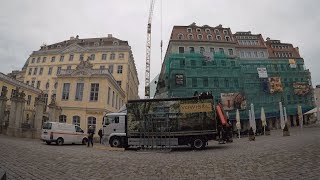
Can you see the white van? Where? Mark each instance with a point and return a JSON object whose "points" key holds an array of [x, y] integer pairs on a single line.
{"points": [[63, 133]]}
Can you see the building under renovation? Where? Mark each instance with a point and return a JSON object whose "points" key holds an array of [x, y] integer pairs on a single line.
{"points": [[239, 70]]}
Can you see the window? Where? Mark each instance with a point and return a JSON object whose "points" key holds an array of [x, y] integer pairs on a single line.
{"points": [[30, 71], [226, 82], [181, 50], [102, 67], [189, 30], [55, 85], [38, 84], [191, 49], [216, 83], [29, 100], [94, 92], [255, 54], [223, 63], [194, 82], [121, 56], [81, 57], [32, 83], [205, 82], [40, 71], [225, 32], [110, 69], [45, 97], [120, 67], [217, 31], [262, 54], [61, 58], [182, 63], [249, 54], [221, 50], [112, 56], [190, 36], [53, 59], [228, 38], [38, 59], [218, 37], [109, 92], [65, 91], [117, 101], [209, 37], [62, 118], [92, 57], [230, 52], [76, 120], [44, 59], [198, 30], [208, 31], [35, 71], [92, 122], [200, 36], [193, 63], [119, 83], [202, 50], [33, 60], [236, 83], [47, 85], [180, 36], [27, 82], [50, 71], [212, 50], [104, 57], [68, 67], [59, 70], [71, 57], [79, 92]]}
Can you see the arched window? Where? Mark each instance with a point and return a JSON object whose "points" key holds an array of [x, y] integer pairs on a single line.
{"points": [[209, 37], [180, 36], [47, 85], [56, 85], [190, 36], [218, 37], [208, 31], [227, 38], [200, 36], [62, 118], [92, 122], [198, 30], [76, 120], [217, 31], [189, 30]]}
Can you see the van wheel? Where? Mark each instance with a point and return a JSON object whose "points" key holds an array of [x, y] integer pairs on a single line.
{"points": [[48, 142], [84, 141], [115, 142], [198, 143], [59, 141]]}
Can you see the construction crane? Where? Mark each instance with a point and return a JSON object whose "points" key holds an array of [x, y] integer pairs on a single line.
{"points": [[148, 52]]}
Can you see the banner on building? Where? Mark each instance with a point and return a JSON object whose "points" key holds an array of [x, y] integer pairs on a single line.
{"points": [[262, 72], [193, 108], [232, 101], [292, 63], [275, 84], [179, 79], [300, 88], [208, 56]]}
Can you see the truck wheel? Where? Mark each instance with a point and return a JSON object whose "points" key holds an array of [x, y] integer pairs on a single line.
{"points": [[84, 141], [59, 141], [115, 142], [198, 143]]}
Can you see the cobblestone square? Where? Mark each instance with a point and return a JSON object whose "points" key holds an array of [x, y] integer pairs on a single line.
{"points": [[269, 157]]}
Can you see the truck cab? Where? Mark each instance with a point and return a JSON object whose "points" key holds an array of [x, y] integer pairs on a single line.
{"points": [[114, 129]]}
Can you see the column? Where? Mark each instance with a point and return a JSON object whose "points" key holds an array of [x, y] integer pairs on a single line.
{"points": [[3, 102]]}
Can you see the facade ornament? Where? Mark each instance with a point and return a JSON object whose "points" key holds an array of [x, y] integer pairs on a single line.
{"points": [[22, 95], [84, 65], [4, 91]]}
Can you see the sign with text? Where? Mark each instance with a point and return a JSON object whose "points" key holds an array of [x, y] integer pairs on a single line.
{"points": [[198, 107], [262, 72]]}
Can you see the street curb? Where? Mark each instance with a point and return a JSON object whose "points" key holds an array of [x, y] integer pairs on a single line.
{"points": [[108, 148]]}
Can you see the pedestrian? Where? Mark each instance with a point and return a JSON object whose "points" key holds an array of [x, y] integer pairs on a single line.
{"points": [[90, 136], [100, 135]]}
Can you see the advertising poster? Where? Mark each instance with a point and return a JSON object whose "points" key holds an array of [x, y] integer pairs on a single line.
{"points": [[262, 72], [292, 63], [232, 101], [275, 85], [301, 89]]}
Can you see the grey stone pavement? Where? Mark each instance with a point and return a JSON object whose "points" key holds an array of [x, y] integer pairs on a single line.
{"points": [[269, 157]]}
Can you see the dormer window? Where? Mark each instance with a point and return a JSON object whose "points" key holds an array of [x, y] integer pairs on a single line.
{"points": [[115, 43], [208, 31], [59, 46], [217, 31], [190, 36], [189, 30], [225, 32], [200, 36], [209, 37], [218, 37], [180, 36], [228, 38], [96, 44], [198, 30]]}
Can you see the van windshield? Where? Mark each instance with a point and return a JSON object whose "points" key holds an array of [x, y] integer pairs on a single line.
{"points": [[47, 126]]}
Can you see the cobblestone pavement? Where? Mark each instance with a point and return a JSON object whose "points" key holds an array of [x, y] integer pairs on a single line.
{"points": [[269, 157]]}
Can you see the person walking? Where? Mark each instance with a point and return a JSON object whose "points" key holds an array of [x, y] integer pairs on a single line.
{"points": [[100, 134], [90, 136]]}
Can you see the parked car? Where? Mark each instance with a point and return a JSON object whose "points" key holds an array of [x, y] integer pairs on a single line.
{"points": [[63, 133]]}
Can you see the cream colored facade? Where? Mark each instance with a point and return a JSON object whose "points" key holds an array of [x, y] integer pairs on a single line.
{"points": [[43, 66], [86, 95], [30, 94]]}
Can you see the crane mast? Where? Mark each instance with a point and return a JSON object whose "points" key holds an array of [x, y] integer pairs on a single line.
{"points": [[148, 52]]}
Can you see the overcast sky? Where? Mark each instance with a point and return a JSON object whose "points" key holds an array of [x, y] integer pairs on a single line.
{"points": [[26, 24]]}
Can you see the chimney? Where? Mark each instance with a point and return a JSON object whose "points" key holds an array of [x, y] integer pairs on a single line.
{"points": [[268, 39], [77, 37], [109, 35], [71, 38]]}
